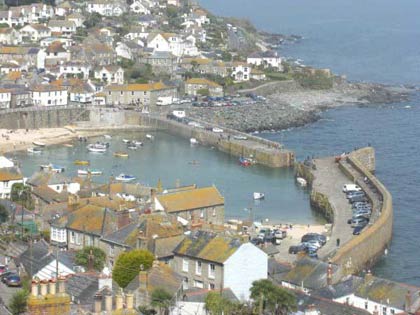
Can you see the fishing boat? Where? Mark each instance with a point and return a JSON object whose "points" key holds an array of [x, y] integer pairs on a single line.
{"points": [[107, 136], [301, 181], [137, 143], [258, 195], [120, 154], [193, 141], [150, 137], [125, 140], [96, 149], [104, 145], [245, 161], [125, 178], [132, 146], [81, 162], [89, 172], [34, 150], [39, 144], [53, 168]]}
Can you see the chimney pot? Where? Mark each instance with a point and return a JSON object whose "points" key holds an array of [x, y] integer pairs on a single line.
{"points": [[52, 285], [118, 302], [97, 308], [43, 287], [61, 284], [108, 303], [129, 298], [34, 288]]}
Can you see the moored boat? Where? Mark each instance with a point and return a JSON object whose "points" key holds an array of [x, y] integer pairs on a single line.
{"points": [[34, 150], [53, 168], [107, 136], [120, 154], [125, 178], [132, 146], [39, 143], [245, 161], [125, 140], [258, 195], [240, 137], [301, 181], [150, 137], [89, 171], [96, 149], [193, 141], [81, 162], [68, 145]]}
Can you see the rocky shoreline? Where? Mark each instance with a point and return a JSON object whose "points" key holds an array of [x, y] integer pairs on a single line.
{"points": [[288, 105]]}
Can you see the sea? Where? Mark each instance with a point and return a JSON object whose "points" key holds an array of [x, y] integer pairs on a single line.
{"points": [[371, 41]]}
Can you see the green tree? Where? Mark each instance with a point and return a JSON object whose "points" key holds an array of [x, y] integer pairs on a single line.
{"points": [[161, 299], [129, 264], [98, 257], [18, 303], [216, 304], [21, 194], [4, 214], [203, 92], [269, 297], [93, 19]]}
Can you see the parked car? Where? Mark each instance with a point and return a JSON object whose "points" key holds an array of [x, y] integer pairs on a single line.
{"points": [[359, 222], [3, 268], [313, 242], [351, 187], [313, 255], [280, 234], [13, 281], [312, 236], [297, 249], [355, 193], [361, 204], [362, 211], [357, 199], [358, 229], [4, 275], [257, 241]]}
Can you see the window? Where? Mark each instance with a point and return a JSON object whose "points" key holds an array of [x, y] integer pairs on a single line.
{"points": [[185, 265], [185, 283], [211, 286], [214, 212], [366, 305], [72, 238], [384, 310], [212, 271], [392, 311], [202, 214], [198, 267], [198, 284], [6, 184]]}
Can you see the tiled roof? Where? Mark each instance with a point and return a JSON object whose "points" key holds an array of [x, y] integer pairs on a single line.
{"points": [[55, 47], [137, 87], [48, 195], [202, 81], [208, 246], [47, 88], [158, 225], [13, 75], [191, 199], [164, 247], [9, 173], [92, 219]]}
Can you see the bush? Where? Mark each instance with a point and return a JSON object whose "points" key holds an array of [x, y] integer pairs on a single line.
{"points": [[18, 303], [99, 257], [316, 81]]}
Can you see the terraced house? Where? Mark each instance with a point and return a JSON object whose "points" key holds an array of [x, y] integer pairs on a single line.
{"points": [[195, 86], [195, 207], [214, 261]]}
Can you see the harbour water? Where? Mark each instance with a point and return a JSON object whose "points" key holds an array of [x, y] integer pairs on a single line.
{"points": [[376, 41], [173, 159]]}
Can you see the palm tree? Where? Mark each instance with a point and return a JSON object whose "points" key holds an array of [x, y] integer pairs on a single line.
{"points": [[161, 299]]}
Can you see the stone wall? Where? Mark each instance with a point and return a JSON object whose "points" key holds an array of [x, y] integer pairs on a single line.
{"points": [[273, 87], [364, 250]]}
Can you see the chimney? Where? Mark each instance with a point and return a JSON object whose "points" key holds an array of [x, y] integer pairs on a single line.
{"points": [[329, 273], [143, 279], [368, 276], [61, 284], [152, 198], [44, 284], [91, 259], [108, 302], [97, 306], [407, 301], [34, 288], [129, 299], [52, 286], [118, 301]]}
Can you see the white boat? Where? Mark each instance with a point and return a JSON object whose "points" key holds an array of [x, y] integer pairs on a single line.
{"points": [[132, 146], [258, 196], [150, 137], [107, 136], [96, 149], [137, 143], [34, 150], [240, 137], [125, 178], [301, 181], [39, 144], [125, 140], [53, 168], [193, 141], [87, 172]]}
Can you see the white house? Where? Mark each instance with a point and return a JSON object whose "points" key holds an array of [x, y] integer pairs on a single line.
{"points": [[106, 8], [78, 69], [266, 59], [8, 176], [5, 162], [49, 95], [139, 7], [5, 98], [10, 36], [210, 261], [35, 32], [240, 72], [173, 43], [65, 27], [56, 54], [110, 74], [82, 93], [76, 18]]}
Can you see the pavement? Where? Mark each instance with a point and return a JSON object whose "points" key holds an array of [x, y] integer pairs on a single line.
{"points": [[329, 180]]}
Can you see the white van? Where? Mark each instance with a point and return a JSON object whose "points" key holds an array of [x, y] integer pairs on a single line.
{"points": [[351, 187]]}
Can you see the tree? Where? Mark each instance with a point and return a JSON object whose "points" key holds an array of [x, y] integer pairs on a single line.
{"points": [[161, 299], [21, 194], [203, 92], [94, 19], [216, 304], [268, 296], [129, 264], [18, 302], [98, 257], [4, 214]]}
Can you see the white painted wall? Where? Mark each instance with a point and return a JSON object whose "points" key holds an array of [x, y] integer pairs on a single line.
{"points": [[361, 303], [188, 308], [71, 187], [247, 264], [49, 271]]}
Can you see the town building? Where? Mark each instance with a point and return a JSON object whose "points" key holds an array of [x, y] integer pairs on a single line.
{"points": [[196, 86], [266, 59], [110, 74], [49, 95]]}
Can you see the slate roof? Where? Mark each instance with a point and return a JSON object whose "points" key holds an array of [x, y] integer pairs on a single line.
{"points": [[49, 195], [124, 236], [199, 295], [158, 225], [191, 199], [138, 87], [61, 23], [164, 247], [82, 287], [47, 178], [311, 272], [208, 246], [40, 256], [345, 287]]}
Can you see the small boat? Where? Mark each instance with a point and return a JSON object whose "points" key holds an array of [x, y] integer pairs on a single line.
{"points": [[121, 154], [53, 168], [96, 149], [107, 136], [81, 162], [301, 181], [125, 140], [150, 137], [137, 143], [125, 178], [240, 137], [132, 146], [88, 171], [68, 145], [193, 141], [34, 150], [39, 144], [258, 196], [245, 161]]}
